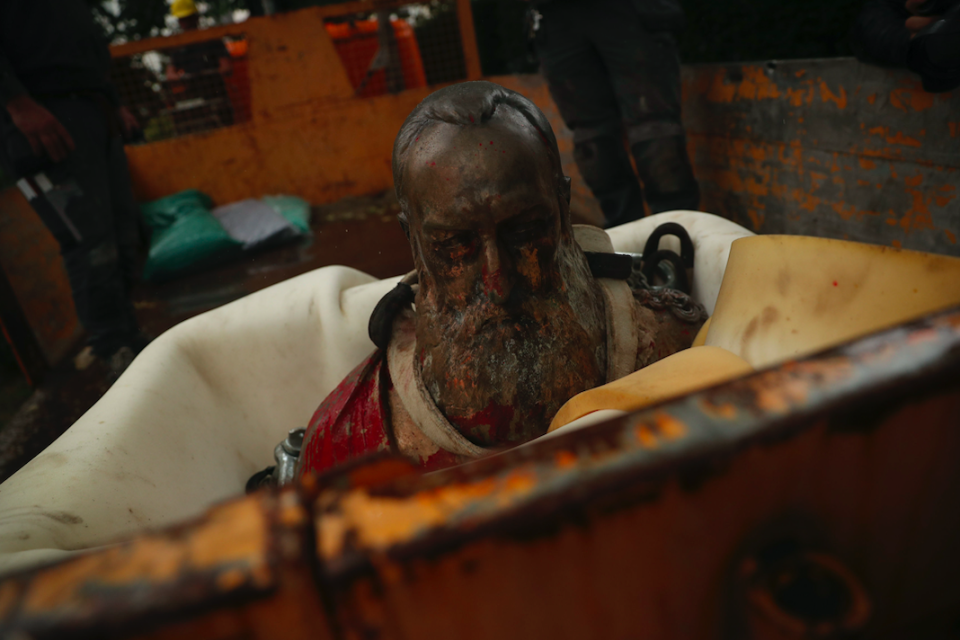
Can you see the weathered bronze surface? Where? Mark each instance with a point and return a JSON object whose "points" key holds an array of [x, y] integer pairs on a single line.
{"points": [[510, 322]]}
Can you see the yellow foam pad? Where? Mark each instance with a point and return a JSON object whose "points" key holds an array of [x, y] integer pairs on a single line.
{"points": [[785, 297], [701, 338], [676, 375]]}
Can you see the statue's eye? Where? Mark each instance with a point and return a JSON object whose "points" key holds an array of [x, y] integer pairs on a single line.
{"points": [[455, 245], [527, 231]]}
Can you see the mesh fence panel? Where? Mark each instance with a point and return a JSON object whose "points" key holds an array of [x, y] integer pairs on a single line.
{"points": [[176, 91], [421, 47], [188, 89]]}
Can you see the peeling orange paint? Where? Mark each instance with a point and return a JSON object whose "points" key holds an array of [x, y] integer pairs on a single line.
{"points": [[872, 98], [900, 138], [897, 244], [827, 95], [907, 99], [720, 90], [913, 181], [918, 216], [867, 164], [757, 85], [807, 201], [950, 236], [755, 188]]}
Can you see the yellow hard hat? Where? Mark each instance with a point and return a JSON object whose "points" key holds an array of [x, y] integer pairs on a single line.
{"points": [[182, 8]]}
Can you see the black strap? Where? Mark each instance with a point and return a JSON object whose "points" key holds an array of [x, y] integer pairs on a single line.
{"points": [[380, 327], [618, 266], [670, 229]]}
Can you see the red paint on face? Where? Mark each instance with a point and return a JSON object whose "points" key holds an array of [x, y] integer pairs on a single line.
{"points": [[492, 282], [497, 418]]}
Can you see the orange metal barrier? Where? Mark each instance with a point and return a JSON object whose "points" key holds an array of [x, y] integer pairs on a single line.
{"points": [[357, 45]]}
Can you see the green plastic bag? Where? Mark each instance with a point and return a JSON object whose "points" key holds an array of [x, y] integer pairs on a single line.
{"points": [[185, 235], [295, 210], [161, 213]]}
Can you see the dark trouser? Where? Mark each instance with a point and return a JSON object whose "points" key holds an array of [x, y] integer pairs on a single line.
{"points": [[87, 203], [609, 76]]}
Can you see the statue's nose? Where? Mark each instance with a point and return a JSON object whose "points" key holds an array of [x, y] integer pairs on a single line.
{"points": [[497, 282]]}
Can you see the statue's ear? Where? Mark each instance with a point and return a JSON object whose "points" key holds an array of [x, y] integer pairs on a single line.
{"points": [[565, 188]]}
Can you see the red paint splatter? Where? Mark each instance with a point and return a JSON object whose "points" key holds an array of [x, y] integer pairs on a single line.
{"points": [[417, 139], [471, 119], [498, 417], [834, 283], [492, 282], [491, 142], [433, 164]]}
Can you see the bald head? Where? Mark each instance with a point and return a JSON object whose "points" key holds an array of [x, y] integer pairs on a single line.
{"points": [[476, 105]]}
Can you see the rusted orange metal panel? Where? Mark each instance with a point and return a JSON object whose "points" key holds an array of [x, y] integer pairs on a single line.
{"points": [[831, 148], [30, 258], [815, 499], [243, 570]]}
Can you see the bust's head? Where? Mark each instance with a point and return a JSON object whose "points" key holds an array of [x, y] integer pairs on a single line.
{"points": [[509, 319]]}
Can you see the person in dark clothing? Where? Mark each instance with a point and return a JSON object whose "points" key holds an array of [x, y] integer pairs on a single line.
{"points": [[613, 70], [61, 132], [923, 35]]}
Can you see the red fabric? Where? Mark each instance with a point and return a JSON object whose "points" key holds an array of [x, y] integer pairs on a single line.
{"points": [[350, 421]]}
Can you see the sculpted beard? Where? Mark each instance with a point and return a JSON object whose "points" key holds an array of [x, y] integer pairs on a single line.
{"points": [[501, 372]]}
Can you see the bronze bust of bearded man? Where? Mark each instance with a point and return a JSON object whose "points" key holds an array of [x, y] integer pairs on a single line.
{"points": [[508, 322]]}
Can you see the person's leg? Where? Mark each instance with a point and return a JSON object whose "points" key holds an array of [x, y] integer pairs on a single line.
{"points": [[580, 87], [73, 198], [126, 213], [645, 71]]}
